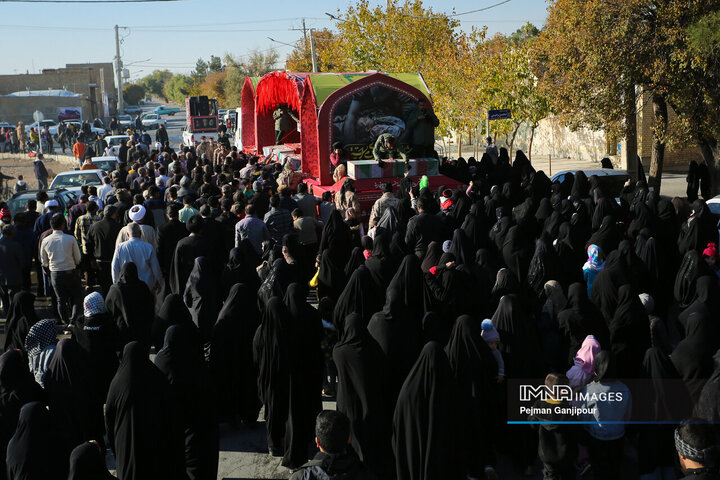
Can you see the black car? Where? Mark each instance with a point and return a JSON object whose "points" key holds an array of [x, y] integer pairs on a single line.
{"points": [[65, 198]]}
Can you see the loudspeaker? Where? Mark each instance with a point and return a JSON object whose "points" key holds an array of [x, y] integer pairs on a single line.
{"points": [[203, 105], [193, 102]]}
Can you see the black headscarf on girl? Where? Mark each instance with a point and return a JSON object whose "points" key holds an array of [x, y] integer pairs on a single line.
{"points": [[231, 357], [334, 251], [360, 296], [545, 265], [380, 264], [363, 382], [581, 318], [31, 452], [141, 419], [272, 350], [21, 316], [462, 248], [629, 333], [607, 237], [356, 259], [77, 413], [519, 345], [668, 399], [505, 283], [201, 297], [708, 405], [604, 293], [692, 267], [605, 207], [87, 462], [131, 305], [567, 184], [643, 219], [427, 420], [476, 227], [474, 369], [572, 253], [397, 336], [305, 375], [540, 186], [17, 387], [193, 393], [432, 256], [693, 355], [544, 211], [699, 230], [410, 282], [241, 266], [172, 312], [581, 186]]}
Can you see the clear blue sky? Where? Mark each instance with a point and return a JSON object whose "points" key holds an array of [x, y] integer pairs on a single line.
{"points": [[174, 34]]}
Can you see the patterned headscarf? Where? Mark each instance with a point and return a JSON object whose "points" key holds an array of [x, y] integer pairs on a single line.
{"points": [[40, 336], [595, 258], [691, 453], [94, 304]]}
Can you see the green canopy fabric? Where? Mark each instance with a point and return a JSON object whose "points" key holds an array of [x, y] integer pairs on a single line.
{"points": [[326, 83]]}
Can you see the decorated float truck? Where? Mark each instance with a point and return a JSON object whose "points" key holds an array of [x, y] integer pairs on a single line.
{"points": [[351, 109]]}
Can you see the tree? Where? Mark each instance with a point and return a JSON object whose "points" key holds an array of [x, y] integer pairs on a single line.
{"points": [[178, 88], [213, 86], [133, 93], [257, 64], [155, 83], [201, 69], [215, 64], [595, 54], [300, 59]]}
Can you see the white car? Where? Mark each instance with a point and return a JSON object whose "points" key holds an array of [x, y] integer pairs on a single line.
{"points": [[113, 142], [51, 124], [75, 179], [152, 121], [106, 163], [125, 121], [78, 125]]}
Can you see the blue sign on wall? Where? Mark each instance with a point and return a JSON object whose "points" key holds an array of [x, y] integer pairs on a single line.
{"points": [[499, 114]]}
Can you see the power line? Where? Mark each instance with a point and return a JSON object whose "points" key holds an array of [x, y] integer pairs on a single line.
{"points": [[448, 15], [86, 1]]}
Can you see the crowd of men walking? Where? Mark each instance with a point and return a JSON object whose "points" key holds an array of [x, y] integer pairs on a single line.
{"points": [[208, 261]]}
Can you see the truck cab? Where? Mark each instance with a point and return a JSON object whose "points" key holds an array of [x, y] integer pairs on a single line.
{"points": [[201, 115]]}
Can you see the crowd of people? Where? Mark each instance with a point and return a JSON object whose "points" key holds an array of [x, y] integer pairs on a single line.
{"points": [[213, 262]]}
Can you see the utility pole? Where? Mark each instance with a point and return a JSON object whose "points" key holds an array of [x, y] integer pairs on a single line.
{"points": [[304, 31], [312, 50], [118, 72]]}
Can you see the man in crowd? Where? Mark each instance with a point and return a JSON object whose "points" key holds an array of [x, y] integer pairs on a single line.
{"points": [[60, 256], [386, 200], [82, 228], [100, 244], [335, 459], [423, 122], [251, 228], [386, 146], [142, 254], [278, 221]]}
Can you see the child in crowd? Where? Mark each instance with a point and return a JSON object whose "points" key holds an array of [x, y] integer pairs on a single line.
{"points": [[492, 338], [583, 368], [326, 206], [710, 255], [557, 443], [330, 337], [594, 265], [367, 245]]}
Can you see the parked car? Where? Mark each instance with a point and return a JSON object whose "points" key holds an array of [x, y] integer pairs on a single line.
{"points": [[65, 198], [113, 142], [125, 121], [152, 121], [106, 163], [51, 124], [77, 125], [610, 181], [75, 179], [133, 109], [165, 110]]}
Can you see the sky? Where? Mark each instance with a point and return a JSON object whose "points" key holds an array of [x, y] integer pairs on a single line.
{"points": [[173, 35]]}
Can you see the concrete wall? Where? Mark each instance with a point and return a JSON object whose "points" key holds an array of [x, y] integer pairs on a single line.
{"points": [[21, 109], [553, 138], [79, 78]]}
